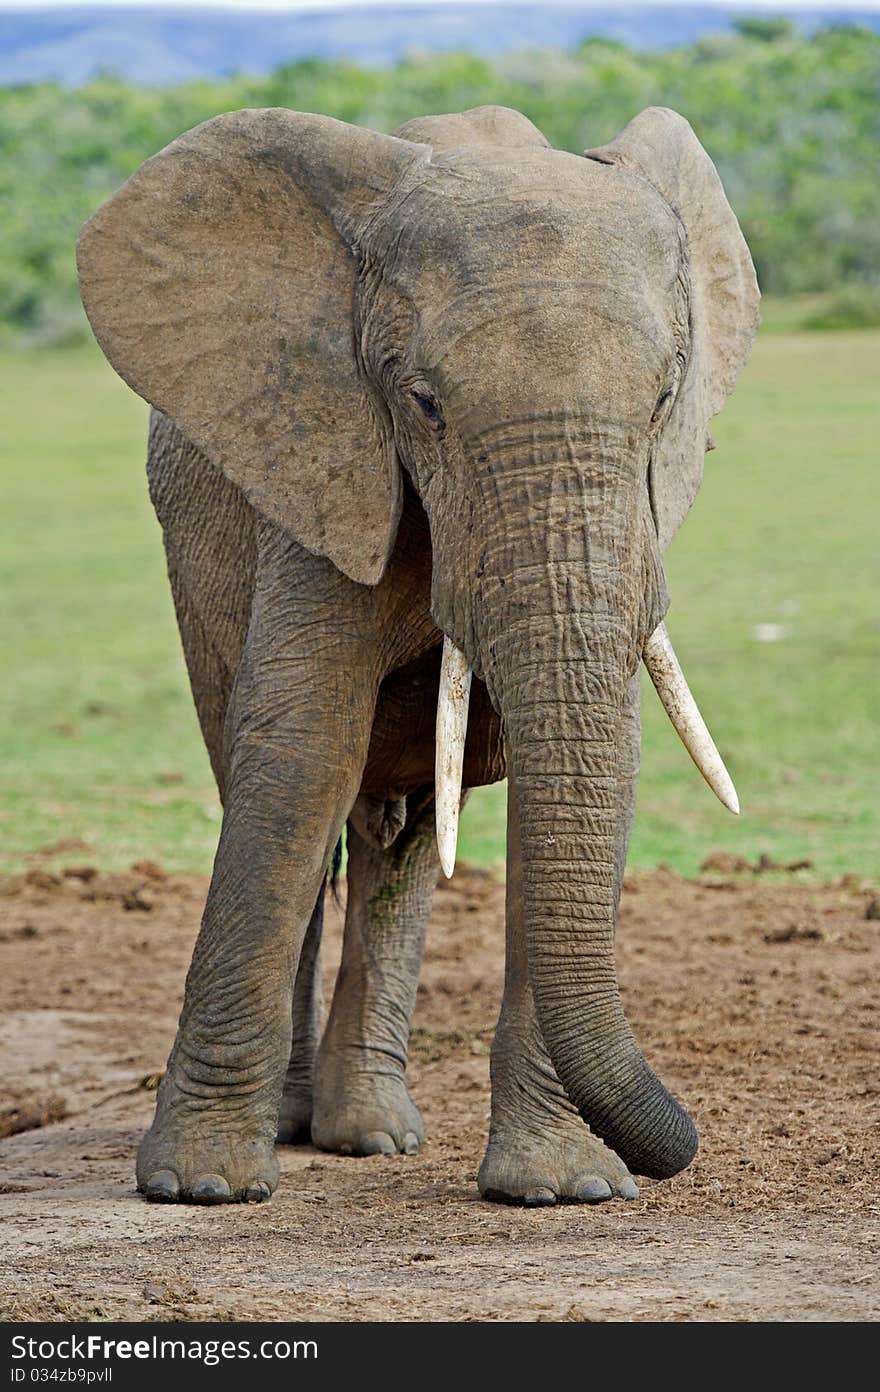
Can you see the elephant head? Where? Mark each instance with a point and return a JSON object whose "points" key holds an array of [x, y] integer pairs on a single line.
{"points": [[538, 340]]}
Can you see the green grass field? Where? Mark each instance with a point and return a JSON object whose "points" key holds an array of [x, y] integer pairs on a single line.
{"points": [[99, 740]]}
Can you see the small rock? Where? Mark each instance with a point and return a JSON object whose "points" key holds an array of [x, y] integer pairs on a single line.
{"points": [[850, 882], [795, 932], [80, 872], [151, 870], [766, 863], [873, 909], [41, 879], [723, 863], [140, 899]]}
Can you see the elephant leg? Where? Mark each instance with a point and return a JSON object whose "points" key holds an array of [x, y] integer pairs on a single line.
{"points": [[540, 1152], [209, 535], [295, 1118], [362, 1105], [298, 731]]}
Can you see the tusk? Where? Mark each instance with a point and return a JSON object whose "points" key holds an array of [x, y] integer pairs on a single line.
{"points": [[673, 690], [452, 716]]}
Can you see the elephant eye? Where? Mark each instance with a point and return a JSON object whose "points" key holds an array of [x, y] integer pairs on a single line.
{"points": [[662, 402], [429, 406], [666, 397]]}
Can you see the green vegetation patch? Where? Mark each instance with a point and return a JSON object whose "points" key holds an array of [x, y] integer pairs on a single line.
{"points": [[99, 740], [792, 122]]}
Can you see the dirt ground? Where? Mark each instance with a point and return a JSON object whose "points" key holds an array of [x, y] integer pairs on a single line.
{"points": [[756, 1000]]}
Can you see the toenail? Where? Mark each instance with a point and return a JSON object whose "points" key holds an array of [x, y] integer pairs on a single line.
{"points": [[539, 1198], [411, 1145], [210, 1189], [378, 1143], [628, 1189], [594, 1190], [257, 1193], [162, 1187]]}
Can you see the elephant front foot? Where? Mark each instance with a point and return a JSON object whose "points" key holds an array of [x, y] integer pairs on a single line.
{"points": [[558, 1166], [175, 1168], [205, 1154], [540, 1152], [365, 1113]]}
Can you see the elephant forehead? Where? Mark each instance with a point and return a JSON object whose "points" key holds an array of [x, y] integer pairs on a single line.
{"points": [[523, 216], [566, 356]]}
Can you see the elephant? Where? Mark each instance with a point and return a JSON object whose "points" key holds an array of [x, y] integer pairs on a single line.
{"points": [[427, 409]]}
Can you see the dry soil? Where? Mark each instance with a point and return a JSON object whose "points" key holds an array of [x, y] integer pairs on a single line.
{"points": [[756, 1000]]}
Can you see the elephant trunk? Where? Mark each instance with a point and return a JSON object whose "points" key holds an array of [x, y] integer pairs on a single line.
{"points": [[564, 619], [567, 797]]}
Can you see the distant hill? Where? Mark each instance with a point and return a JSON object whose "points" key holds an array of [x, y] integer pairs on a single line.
{"points": [[159, 46]]}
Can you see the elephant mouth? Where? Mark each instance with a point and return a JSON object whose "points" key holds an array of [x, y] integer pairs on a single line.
{"points": [[671, 685]]}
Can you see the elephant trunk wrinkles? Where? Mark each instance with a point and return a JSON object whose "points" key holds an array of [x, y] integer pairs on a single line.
{"points": [[564, 617]]}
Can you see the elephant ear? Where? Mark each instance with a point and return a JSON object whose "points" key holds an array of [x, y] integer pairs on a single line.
{"points": [[220, 282], [660, 147]]}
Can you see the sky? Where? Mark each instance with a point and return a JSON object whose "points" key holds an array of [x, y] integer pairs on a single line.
{"points": [[775, 6]]}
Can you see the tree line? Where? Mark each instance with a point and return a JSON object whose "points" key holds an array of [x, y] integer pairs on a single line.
{"points": [[791, 120]]}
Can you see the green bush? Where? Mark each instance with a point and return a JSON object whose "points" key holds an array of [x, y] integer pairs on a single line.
{"points": [[853, 307], [792, 122]]}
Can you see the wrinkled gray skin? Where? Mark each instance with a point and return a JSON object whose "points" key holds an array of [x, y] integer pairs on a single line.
{"points": [[454, 382]]}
